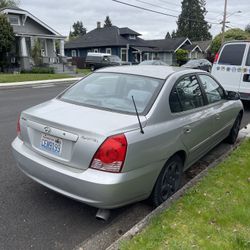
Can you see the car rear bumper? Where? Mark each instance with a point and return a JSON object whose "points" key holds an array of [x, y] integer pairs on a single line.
{"points": [[93, 187]]}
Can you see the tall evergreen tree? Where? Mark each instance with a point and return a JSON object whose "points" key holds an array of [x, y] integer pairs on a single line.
{"points": [[7, 39], [8, 3], [107, 22], [167, 35], [78, 30], [191, 22]]}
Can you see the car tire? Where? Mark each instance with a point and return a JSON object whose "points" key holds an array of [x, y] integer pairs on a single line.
{"points": [[233, 135], [168, 182], [92, 68]]}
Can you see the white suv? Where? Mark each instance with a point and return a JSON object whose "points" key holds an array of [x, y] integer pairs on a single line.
{"points": [[232, 67]]}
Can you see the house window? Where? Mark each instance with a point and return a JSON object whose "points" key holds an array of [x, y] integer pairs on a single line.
{"points": [[132, 37], [73, 53], [96, 50], [109, 51], [124, 55], [14, 20]]}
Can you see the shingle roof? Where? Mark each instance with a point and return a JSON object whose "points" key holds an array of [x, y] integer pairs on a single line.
{"points": [[204, 45], [102, 37], [11, 8], [128, 31], [169, 44]]}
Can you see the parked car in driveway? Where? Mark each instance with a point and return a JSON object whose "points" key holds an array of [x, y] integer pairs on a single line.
{"points": [[125, 134], [153, 62], [232, 67], [99, 60], [202, 64]]}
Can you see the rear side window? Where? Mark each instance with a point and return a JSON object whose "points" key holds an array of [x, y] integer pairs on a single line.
{"points": [[186, 95], [232, 54]]}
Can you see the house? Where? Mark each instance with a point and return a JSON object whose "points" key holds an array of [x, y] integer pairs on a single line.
{"points": [[27, 29], [128, 45], [204, 46]]}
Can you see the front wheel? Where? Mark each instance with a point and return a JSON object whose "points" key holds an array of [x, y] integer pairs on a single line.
{"points": [[92, 68], [232, 137], [168, 181]]}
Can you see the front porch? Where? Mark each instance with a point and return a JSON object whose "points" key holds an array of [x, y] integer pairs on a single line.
{"points": [[51, 50]]}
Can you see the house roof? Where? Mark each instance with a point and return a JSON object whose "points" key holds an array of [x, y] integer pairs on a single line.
{"points": [[128, 31], [103, 37], [20, 29], [168, 44], [192, 47], [204, 45]]}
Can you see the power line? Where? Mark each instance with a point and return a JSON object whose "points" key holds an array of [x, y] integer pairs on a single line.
{"points": [[158, 12]]}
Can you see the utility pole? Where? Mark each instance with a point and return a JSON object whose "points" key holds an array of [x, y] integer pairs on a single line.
{"points": [[224, 22]]}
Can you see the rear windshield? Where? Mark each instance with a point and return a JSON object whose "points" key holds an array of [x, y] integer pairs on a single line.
{"points": [[114, 92], [232, 54]]}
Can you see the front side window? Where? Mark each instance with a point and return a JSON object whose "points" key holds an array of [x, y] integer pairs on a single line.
{"points": [[232, 54], [186, 95], [114, 91], [248, 58], [212, 89]]}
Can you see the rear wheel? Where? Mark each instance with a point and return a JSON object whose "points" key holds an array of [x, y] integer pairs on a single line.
{"points": [[232, 137], [168, 181]]}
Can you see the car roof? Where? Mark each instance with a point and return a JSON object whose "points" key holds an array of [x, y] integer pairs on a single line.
{"points": [[161, 72]]}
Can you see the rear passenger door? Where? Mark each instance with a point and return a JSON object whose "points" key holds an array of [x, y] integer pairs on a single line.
{"points": [[219, 108], [187, 103]]}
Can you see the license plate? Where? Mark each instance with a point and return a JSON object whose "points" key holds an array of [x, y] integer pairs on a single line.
{"points": [[51, 144]]}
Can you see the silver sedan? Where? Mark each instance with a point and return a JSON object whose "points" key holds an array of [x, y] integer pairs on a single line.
{"points": [[125, 134]]}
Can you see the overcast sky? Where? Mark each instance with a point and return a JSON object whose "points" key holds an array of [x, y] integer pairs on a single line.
{"points": [[61, 14]]}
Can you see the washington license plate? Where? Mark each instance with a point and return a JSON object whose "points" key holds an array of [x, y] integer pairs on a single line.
{"points": [[51, 144]]}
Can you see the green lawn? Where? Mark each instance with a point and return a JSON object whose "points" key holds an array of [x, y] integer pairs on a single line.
{"points": [[30, 77], [83, 71], [214, 214]]}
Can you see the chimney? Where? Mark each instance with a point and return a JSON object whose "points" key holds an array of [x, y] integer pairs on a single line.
{"points": [[98, 25]]}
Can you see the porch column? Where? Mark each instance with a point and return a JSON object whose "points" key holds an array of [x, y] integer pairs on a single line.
{"points": [[62, 48], [24, 52], [24, 59]]}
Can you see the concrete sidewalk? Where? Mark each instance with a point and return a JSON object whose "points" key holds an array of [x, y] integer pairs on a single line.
{"points": [[63, 80]]}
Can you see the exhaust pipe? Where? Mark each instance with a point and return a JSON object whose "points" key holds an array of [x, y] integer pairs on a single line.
{"points": [[102, 214]]}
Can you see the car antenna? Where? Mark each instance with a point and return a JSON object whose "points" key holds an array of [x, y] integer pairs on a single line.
{"points": [[136, 111]]}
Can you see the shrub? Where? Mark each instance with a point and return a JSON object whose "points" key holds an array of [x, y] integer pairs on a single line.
{"points": [[40, 70]]}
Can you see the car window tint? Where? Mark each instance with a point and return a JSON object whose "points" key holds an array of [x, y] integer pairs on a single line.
{"points": [[232, 54], [186, 95], [212, 89]]}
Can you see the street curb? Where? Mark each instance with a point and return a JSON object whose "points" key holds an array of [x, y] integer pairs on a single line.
{"points": [[34, 83], [144, 222]]}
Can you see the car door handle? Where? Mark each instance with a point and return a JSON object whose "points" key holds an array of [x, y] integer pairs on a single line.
{"points": [[217, 117]]}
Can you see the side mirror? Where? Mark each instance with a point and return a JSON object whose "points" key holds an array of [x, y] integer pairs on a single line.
{"points": [[232, 95]]}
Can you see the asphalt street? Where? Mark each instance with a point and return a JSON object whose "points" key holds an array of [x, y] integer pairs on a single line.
{"points": [[32, 216]]}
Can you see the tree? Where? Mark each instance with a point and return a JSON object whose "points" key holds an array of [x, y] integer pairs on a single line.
{"points": [[8, 3], [232, 34], [78, 30], [168, 36], [173, 34], [191, 22], [181, 56], [7, 39], [247, 29], [107, 22]]}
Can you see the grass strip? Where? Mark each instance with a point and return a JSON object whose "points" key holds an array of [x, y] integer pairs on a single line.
{"points": [[214, 214]]}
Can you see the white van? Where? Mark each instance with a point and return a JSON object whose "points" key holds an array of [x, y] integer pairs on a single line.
{"points": [[232, 67]]}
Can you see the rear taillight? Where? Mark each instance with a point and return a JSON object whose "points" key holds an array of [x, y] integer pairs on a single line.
{"points": [[18, 127], [216, 57], [111, 154]]}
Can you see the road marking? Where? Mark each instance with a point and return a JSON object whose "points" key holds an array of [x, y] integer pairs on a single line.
{"points": [[44, 86]]}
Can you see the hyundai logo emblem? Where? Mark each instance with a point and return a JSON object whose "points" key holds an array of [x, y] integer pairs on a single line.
{"points": [[47, 130]]}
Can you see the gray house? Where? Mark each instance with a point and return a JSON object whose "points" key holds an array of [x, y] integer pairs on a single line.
{"points": [[28, 29], [128, 45]]}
